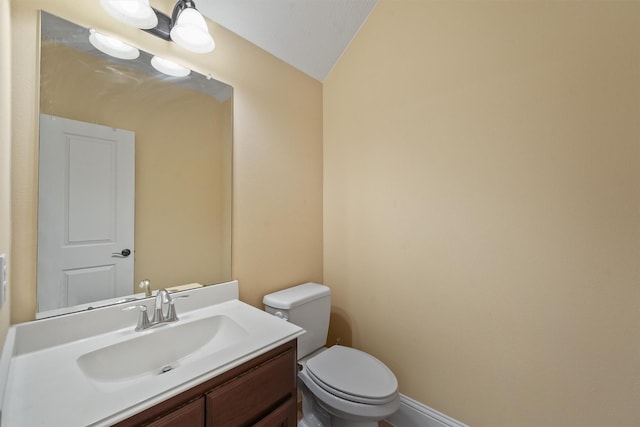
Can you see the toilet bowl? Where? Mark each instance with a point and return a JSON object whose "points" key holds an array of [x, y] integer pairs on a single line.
{"points": [[353, 387], [341, 386]]}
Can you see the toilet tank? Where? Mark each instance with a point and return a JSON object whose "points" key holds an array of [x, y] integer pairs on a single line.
{"points": [[307, 306]]}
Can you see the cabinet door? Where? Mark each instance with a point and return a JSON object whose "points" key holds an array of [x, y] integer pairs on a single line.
{"points": [[190, 415], [286, 415], [253, 395]]}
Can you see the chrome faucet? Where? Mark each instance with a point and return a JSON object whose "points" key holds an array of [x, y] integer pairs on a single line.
{"points": [[159, 318]]}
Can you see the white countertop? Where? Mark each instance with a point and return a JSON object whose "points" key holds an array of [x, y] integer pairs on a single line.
{"points": [[46, 387]]}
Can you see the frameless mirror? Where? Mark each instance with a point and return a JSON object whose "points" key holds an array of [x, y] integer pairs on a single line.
{"points": [[134, 175]]}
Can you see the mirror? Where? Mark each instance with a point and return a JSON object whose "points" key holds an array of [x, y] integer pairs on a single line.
{"points": [[180, 170]]}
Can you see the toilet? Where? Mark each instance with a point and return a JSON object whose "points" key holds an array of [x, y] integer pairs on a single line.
{"points": [[341, 386]]}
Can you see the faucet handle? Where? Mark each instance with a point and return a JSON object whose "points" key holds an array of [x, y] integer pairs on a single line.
{"points": [[143, 318], [171, 315]]}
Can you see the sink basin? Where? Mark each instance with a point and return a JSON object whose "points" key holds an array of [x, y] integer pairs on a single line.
{"points": [[161, 349]]}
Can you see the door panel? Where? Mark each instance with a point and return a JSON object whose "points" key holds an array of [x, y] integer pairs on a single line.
{"points": [[85, 285], [91, 191]]}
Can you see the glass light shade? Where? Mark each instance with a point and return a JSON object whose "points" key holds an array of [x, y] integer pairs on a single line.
{"points": [[169, 67], [190, 31], [136, 13], [112, 46]]}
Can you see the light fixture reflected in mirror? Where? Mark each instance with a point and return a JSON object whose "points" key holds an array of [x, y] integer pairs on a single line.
{"points": [[169, 67], [112, 46], [118, 49], [136, 13], [186, 26]]}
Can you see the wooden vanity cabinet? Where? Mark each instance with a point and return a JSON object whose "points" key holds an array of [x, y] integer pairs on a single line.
{"points": [[261, 392]]}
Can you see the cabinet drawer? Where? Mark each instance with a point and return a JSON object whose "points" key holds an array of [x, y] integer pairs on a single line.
{"points": [[286, 415], [251, 396], [190, 415]]}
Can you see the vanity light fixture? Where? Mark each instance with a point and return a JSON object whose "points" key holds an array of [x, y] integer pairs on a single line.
{"points": [[169, 67], [112, 46], [186, 26], [189, 29], [137, 13]]}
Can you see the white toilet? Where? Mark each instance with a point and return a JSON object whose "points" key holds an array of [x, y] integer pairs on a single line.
{"points": [[341, 386]]}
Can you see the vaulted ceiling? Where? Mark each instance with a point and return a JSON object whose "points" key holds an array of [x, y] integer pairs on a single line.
{"points": [[309, 35]]}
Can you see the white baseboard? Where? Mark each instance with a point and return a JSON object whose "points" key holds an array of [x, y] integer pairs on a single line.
{"points": [[415, 414]]}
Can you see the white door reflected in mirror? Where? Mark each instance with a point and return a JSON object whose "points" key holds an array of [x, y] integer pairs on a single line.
{"points": [[85, 213]]}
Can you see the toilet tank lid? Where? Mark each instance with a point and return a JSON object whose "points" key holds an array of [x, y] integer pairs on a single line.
{"points": [[295, 296]]}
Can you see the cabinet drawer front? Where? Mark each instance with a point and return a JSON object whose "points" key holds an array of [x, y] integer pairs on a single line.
{"points": [[190, 415], [286, 415], [253, 395]]}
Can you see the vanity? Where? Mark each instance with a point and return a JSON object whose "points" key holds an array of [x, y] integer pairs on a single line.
{"points": [[223, 363]]}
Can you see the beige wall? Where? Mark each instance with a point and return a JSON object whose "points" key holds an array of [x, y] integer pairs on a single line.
{"points": [[180, 220], [481, 170], [277, 152], [481, 197], [5, 148]]}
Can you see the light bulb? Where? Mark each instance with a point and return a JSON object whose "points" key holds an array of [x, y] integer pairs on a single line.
{"points": [[169, 67], [137, 13], [112, 46], [190, 32]]}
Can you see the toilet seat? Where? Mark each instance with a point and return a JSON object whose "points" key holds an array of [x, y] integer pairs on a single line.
{"points": [[353, 375]]}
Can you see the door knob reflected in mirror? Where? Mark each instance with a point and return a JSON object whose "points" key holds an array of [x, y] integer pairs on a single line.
{"points": [[122, 254]]}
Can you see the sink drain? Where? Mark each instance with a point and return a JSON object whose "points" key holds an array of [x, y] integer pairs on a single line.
{"points": [[166, 369]]}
